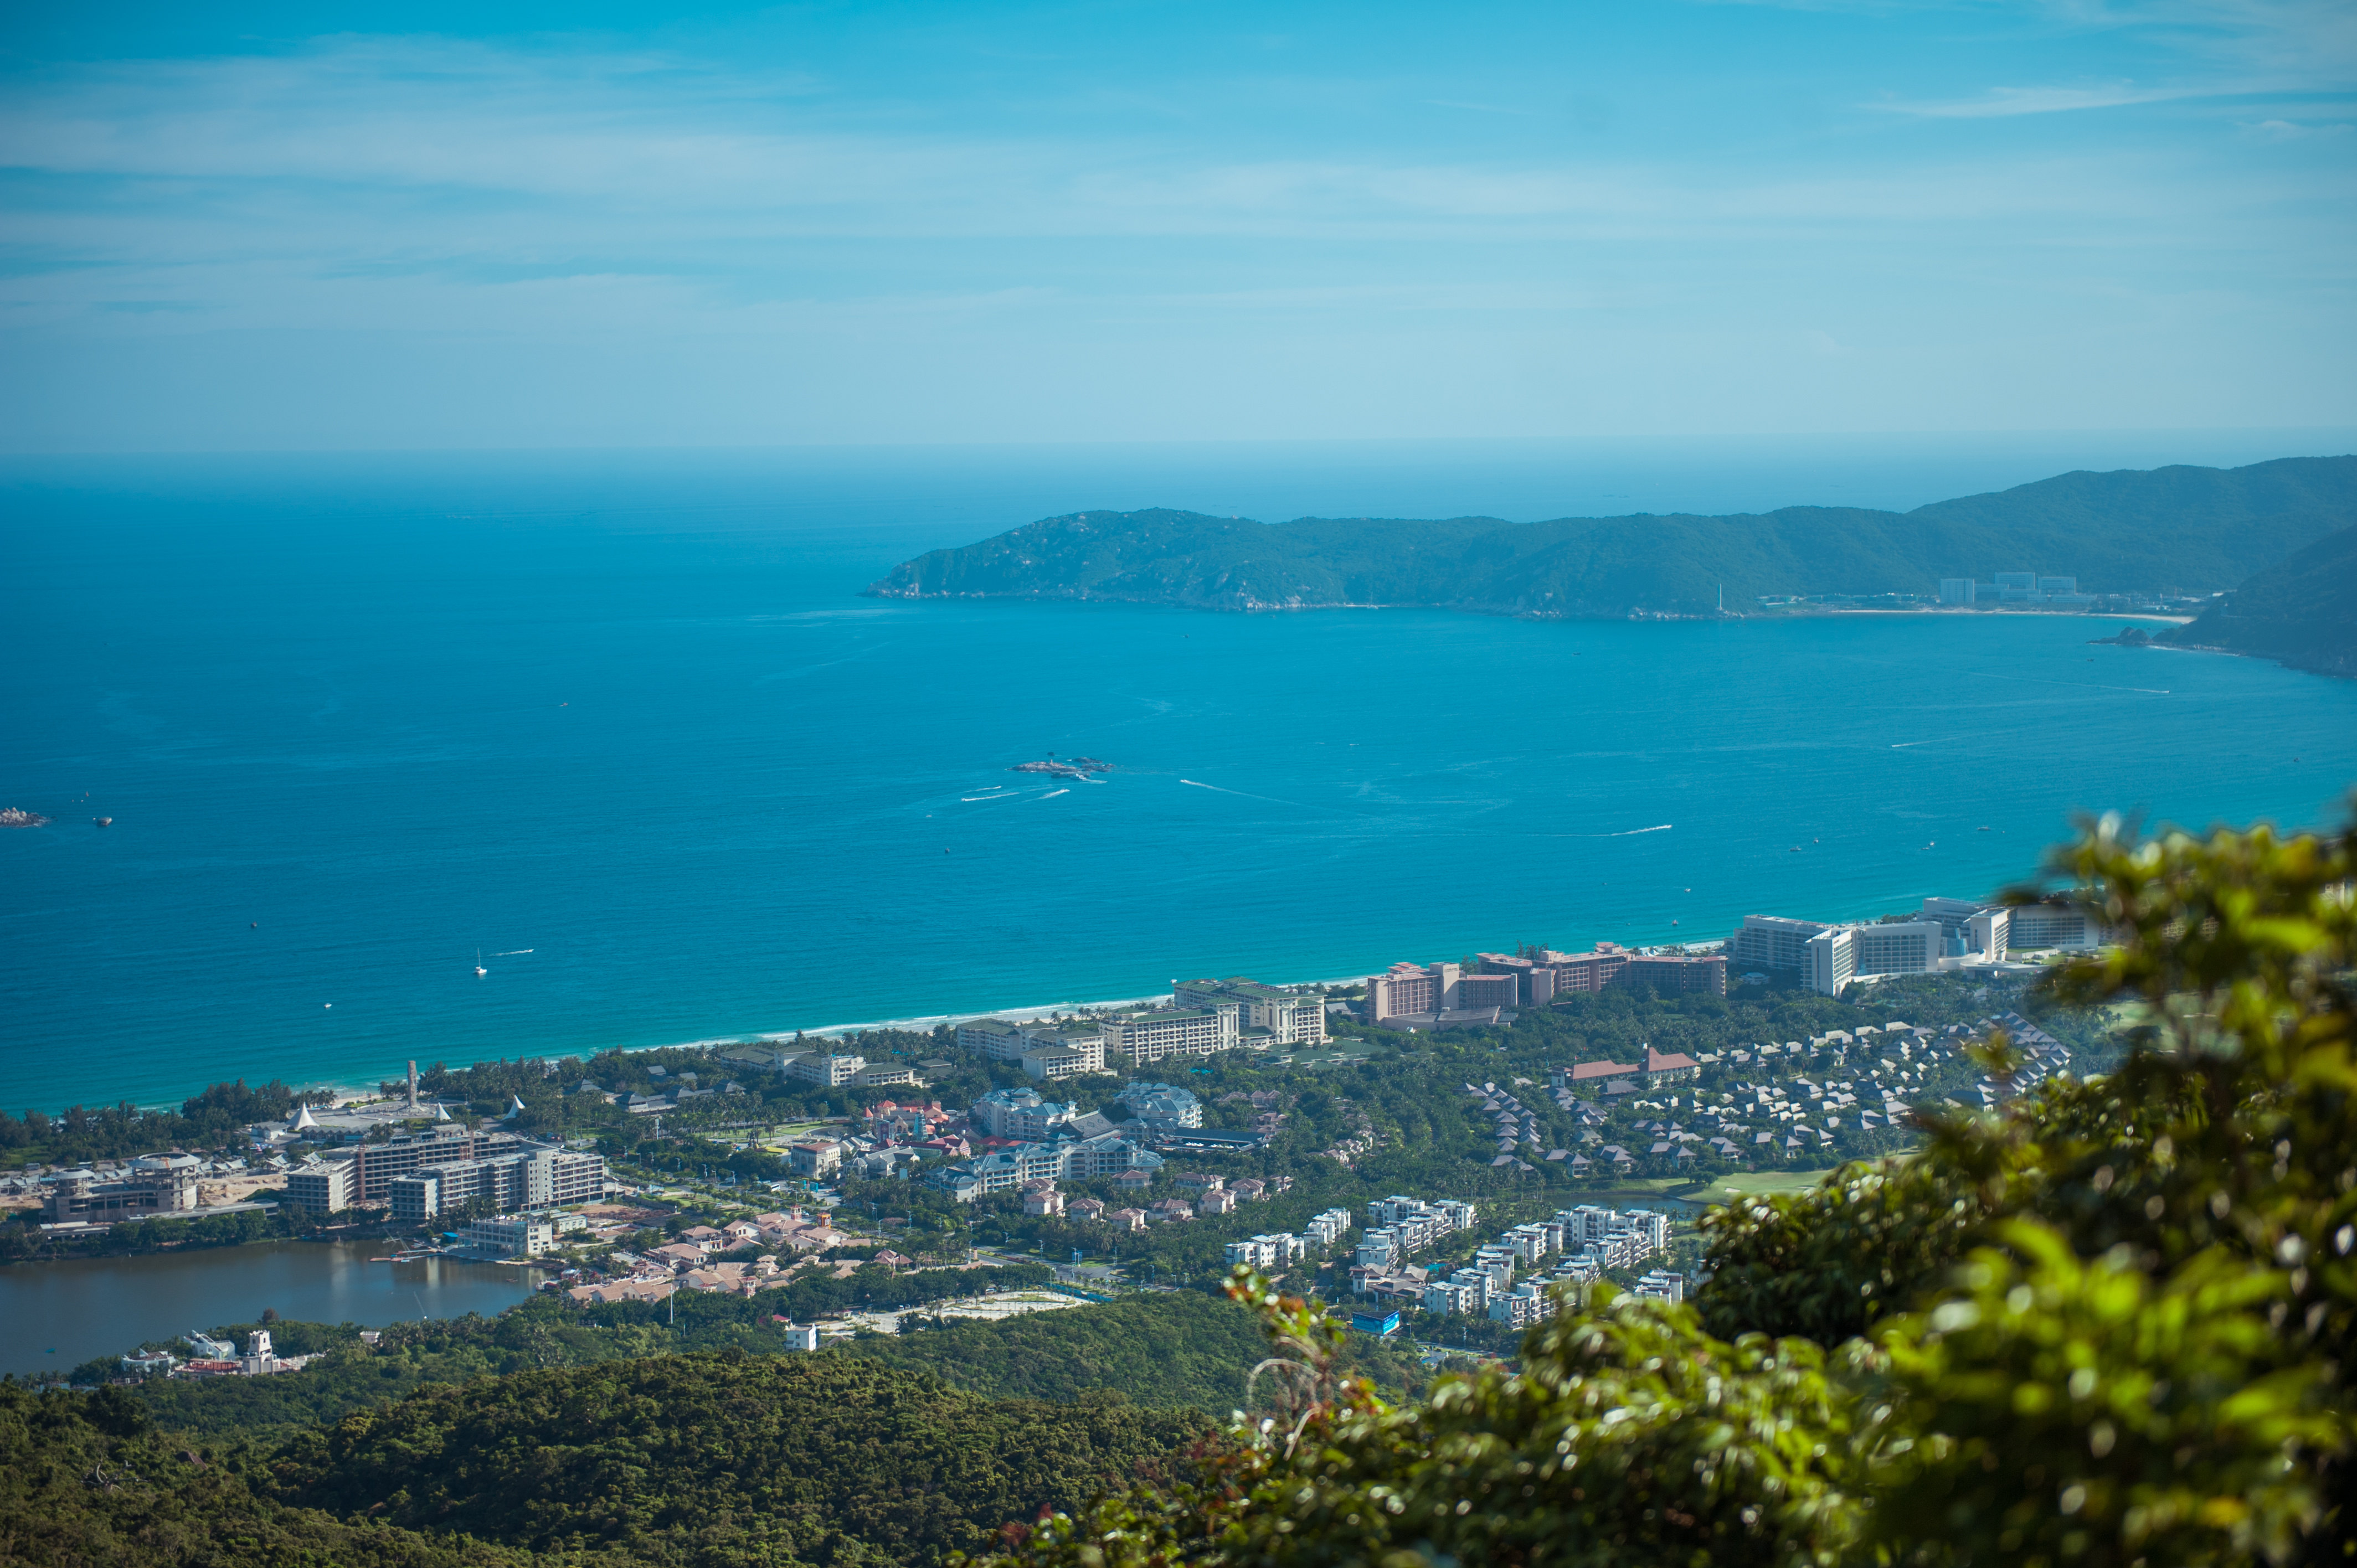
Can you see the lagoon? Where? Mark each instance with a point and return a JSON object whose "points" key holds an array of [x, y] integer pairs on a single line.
{"points": [[56, 1315]]}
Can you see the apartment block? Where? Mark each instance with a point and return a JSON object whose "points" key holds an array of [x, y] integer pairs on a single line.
{"points": [[1328, 1227], [366, 1173], [1660, 1284], [1675, 974], [1525, 1305], [537, 1179], [325, 1187], [1407, 990], [995, 1038], [2033, 927], [1773, 941]]}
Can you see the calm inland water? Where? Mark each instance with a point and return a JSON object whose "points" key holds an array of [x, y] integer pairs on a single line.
{"points": [[54, 1316]]}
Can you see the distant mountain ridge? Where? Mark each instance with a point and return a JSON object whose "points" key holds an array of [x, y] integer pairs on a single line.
{"points": [[2185, 528]]}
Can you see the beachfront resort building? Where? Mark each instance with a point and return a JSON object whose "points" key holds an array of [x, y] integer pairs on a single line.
{"points": [[830, 1072], [1140, 1039], [1265, 1014]]}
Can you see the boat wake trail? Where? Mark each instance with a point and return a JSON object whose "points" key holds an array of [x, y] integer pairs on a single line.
{"points": [[516, 952], [969, 800], [1053, 793], [1224, 790], [1632, 833]]}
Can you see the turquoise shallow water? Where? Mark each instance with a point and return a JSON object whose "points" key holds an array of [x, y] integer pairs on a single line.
{"points": [[356, 721]]}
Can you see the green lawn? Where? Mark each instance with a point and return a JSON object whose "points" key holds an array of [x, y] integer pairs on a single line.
{"points": [[1762, 1181]]}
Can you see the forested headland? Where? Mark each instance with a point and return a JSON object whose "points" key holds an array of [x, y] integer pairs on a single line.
{"points": [[2187, 528], [2302, 612]]}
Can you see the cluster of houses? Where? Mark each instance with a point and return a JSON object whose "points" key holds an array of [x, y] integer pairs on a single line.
{"points": [[1030, 1138], [895, 1138], [1587, 1239], [691, 1260], [1771, 1102]]}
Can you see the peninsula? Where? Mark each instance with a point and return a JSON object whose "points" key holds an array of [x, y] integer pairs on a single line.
{"points": [[2164, 532]]}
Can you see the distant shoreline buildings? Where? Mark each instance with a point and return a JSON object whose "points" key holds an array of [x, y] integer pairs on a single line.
{"points": [[1945, 934]]}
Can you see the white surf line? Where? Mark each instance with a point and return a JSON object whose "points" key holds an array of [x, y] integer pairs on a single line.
{"points": [[2084, 685]]}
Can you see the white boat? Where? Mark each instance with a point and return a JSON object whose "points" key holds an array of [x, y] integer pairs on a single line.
{"points": [[480, 970]]}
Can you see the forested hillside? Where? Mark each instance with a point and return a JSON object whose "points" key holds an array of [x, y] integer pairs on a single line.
{"points": [[88, 1481], [1173, 1349], [2177, 528], [2302, 612], [723, 1458]]}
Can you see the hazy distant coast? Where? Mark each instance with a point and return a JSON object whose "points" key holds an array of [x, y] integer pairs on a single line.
{"points": [[2125, 538]]}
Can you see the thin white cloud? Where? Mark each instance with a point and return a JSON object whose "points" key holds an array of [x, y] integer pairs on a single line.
{"points": [[2003, 103]]}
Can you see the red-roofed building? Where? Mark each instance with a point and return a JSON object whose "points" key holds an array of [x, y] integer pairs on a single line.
{"points": [[1662, 1067], [1581, 1072]]}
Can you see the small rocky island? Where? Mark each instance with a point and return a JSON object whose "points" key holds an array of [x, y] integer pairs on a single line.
{"points": [[1071, 768], [12, 817]]}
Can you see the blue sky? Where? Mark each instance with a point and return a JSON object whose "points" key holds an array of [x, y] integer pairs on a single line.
{"points": [[240, 226]]}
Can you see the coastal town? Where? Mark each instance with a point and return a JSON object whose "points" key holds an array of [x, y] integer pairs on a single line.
{"points": [[1090, 1144]]}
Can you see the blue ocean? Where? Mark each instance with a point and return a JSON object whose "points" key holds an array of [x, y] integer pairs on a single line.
{"points": [[622, 726]]}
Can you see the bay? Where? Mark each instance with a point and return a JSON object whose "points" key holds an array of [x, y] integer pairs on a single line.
{"points": [[622, 725]]}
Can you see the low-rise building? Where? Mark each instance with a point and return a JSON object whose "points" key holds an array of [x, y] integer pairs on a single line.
{"points": [[830, 1072], [1021, 1113], [995, 1039], [507, 1236], [1160, 1105], [1054, 1062], [812, 1158]]}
